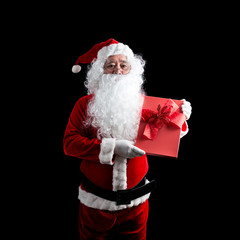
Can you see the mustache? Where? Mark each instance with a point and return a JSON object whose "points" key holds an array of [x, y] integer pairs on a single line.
{"points": [[127, 80], [114, 78]]}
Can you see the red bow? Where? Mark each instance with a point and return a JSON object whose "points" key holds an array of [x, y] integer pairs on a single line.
{"points": [[165, 115]]}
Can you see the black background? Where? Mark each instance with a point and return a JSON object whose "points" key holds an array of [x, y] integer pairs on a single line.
{"points": [[174, 45]]}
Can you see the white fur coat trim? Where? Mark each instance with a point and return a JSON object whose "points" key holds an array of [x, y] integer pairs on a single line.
{"points": [[107, 150], [119, 173], [119, 181], [93, 201]]}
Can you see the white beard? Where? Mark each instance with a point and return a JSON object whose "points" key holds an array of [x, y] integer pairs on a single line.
{"points": [[115, 109]]}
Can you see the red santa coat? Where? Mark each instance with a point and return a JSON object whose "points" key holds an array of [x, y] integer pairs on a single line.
{"points": [[82, 142], [98, 159]]}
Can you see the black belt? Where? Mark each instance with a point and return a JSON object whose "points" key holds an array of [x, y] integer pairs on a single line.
{"points": [[121, 197]]}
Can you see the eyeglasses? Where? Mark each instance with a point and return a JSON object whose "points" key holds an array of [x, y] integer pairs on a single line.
{"points": [[122, 67]]}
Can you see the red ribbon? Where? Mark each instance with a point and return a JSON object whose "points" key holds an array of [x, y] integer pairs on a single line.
{"points": [[167, 114]]}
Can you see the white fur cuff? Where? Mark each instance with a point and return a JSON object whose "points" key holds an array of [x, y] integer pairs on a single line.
{"points": [[107, 151]]}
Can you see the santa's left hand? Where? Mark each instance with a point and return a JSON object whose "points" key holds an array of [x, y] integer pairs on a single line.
{"points": [[186, 108]]}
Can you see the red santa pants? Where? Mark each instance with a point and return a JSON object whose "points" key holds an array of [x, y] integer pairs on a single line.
{"points": [[129, 223]]}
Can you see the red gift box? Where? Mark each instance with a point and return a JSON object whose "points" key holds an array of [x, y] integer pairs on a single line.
{"points": [[160, 126]]}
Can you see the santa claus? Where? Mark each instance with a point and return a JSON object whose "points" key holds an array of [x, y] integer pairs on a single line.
{"points": [[101, 131]]}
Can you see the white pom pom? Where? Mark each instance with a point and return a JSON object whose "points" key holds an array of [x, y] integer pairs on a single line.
{"points": [[76, 68]]}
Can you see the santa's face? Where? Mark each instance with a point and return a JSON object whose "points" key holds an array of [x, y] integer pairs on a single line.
{"points": [[117, 64], [116, 106]]}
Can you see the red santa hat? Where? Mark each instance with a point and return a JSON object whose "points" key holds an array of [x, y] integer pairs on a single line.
{"points": [[102, 51]]}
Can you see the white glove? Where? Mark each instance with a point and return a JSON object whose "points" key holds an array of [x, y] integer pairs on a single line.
{"points": [[186, 108], [126, 149]]}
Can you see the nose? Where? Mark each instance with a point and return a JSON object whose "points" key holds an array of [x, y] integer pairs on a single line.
{"points": [[118, 70]]}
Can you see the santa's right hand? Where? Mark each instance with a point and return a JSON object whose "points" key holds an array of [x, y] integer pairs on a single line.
{"points": [[126, 149]]}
